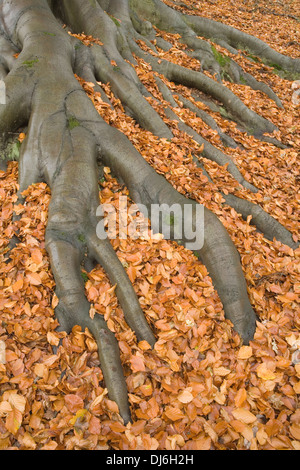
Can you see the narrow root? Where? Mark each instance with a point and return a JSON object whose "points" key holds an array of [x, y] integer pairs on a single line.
{"points": [[103, 252]]}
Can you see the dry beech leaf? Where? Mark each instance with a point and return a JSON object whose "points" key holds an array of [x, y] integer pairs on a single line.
{"points": [[221, 371], [240, 397], [111, 405], [262, 436], [137, 364], [28, 441], [34, 279], [245, 352], [265, 373], [17, 401], [185, 396], [144, 345], [13, 421], [53, 338], [5, 408], [73, 402], [55, 301], [98, 399], [37, 256], [173, 413], [295, 431]]}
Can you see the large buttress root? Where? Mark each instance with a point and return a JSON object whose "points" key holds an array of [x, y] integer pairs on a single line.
{"points": [[66, 137]]}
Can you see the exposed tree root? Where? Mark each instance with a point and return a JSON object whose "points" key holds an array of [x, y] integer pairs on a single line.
{"points": [[190, 26], [66, 137], [230, 38]]}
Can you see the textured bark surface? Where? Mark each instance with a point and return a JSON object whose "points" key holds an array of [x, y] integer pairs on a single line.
{"points": [[66, 141]]}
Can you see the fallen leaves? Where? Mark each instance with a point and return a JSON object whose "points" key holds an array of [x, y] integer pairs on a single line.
{"points": [[200, 388], [173, 414], [137, 364], [215, 392], [266, 372], [245, 352]]}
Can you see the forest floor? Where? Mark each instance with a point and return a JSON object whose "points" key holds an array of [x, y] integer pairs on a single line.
{"points": [[200, 388]]}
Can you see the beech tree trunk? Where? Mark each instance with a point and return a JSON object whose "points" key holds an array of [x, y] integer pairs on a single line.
{"points": [[67, 140]]}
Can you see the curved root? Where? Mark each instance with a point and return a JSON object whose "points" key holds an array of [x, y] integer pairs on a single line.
{"points": [[66, 137]]}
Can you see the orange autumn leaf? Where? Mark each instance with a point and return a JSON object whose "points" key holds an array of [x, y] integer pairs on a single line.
{"points": [[53, 338], [28, 441], [132, 272], [98, 399], [221, 371], [37, 256], [13, 421], [240, 397], [185, 396], [137, 364], [40, 370], [15, 414], [17, 401], [153, 408], [117, 427], [265, 373], [244, 415], [93, 293], [54, 301], [94, 425], [18, 285], [73, 402], [50, 445], [173, 360], [295, 431], [146, 389], [262, 436], [173, 413], [134, 257], [288, 297], [112, 405], [5, 408], [34, 279], [245, 352], [203, 443], [144, 345], [296, 387]]}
